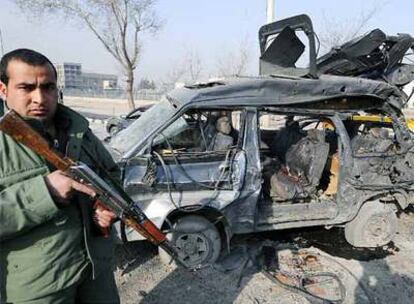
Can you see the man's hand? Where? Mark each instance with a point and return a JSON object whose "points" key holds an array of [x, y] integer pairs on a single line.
{"points": [[103, 217], [61, 187]]}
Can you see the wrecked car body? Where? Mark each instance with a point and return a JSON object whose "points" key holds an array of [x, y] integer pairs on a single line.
{"points": [[172, 173], [268, 153]]}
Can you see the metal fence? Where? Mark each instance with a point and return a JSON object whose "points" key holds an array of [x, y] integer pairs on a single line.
{"points": [[113, 94]]}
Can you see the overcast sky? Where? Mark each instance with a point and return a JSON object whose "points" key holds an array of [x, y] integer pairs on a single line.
{"points": [[209, 28]]}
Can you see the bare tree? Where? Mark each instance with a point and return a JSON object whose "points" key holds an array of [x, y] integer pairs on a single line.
{"points": [[188, 69], [336, 32], [193, 64], [191, 69], [234, 62], [173, 76], [116, 23]]}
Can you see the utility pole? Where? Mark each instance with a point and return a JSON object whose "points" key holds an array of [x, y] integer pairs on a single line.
{"points": [[270, 11]]}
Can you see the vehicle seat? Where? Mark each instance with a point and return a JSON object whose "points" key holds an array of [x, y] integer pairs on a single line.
{"points": [[305, 162], [287, 136], [222, 140]]}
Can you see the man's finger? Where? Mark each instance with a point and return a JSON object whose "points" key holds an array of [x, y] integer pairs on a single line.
{"points": [[104, 221], [100, 212], [83, 188], [104, 218]]}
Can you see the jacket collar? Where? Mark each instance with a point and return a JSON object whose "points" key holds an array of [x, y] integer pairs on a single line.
{"points": [[64, 117], [69, 119]]}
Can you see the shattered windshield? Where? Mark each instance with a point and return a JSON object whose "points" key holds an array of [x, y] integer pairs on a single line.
{"points": [[140, 128]]}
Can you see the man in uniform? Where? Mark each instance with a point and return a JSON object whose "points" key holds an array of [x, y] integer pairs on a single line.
{"points": [[50, 248]]}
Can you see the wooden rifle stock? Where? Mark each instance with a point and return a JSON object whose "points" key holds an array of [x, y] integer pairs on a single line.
{"points": [[13, 125]]}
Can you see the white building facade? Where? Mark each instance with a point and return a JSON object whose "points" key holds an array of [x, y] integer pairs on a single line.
{"points": [[70, 76]]}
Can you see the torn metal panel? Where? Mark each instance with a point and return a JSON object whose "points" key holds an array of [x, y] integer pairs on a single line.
{"points": [[343, 60], [374, 55]]}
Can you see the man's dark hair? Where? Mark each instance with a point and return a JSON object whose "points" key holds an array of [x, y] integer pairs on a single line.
{"points": [[27, 56]]}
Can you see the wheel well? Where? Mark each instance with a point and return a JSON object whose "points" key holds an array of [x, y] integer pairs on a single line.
{"points": [[374, 226], [211, 214], [385, 197]]}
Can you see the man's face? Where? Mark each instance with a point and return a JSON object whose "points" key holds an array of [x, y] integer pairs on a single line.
{"points": [[31, 91]]}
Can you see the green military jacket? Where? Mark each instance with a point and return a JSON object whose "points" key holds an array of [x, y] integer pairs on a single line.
{"points": [[44, 248]]}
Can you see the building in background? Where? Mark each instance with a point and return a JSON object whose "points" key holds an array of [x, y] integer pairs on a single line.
{"points": [[72, 81], [71, 77], [97, 81]]}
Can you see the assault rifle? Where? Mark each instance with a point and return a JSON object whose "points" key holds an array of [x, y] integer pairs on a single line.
{"points": [[108, 193]]}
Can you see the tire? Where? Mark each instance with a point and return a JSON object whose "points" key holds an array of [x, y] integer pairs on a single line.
{"points": [[113, 130], [197, 240], [374, 226]]}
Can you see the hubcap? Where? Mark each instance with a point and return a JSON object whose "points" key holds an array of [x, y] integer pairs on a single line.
{"points": [[378, 228], [193, 248]]}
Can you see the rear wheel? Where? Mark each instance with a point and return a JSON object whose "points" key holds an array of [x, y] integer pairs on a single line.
{"points": [[375, 225], [197, 240]]}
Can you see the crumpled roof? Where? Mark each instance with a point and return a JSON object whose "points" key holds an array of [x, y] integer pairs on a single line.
{"points": [[283, 90]]}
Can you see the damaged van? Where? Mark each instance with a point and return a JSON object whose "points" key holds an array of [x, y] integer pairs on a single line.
{"points": [[277, 151]]}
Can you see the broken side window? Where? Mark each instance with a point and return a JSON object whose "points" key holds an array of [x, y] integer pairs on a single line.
{"points": [[199, 150], [200, 131]]}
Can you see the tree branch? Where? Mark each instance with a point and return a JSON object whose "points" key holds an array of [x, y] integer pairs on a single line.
{"points": [[118, 33]]}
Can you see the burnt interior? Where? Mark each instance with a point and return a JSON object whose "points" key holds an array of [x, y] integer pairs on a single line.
{"points": [[299, 157]]}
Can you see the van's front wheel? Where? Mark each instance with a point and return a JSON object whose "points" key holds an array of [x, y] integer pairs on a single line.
{"points": [[375, 225], [196, 239]]}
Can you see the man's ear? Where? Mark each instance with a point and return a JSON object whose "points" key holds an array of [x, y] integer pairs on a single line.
{"points": [[3, 91]]}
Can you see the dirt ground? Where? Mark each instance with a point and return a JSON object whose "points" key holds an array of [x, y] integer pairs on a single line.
{"points": [[384, 275]]}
